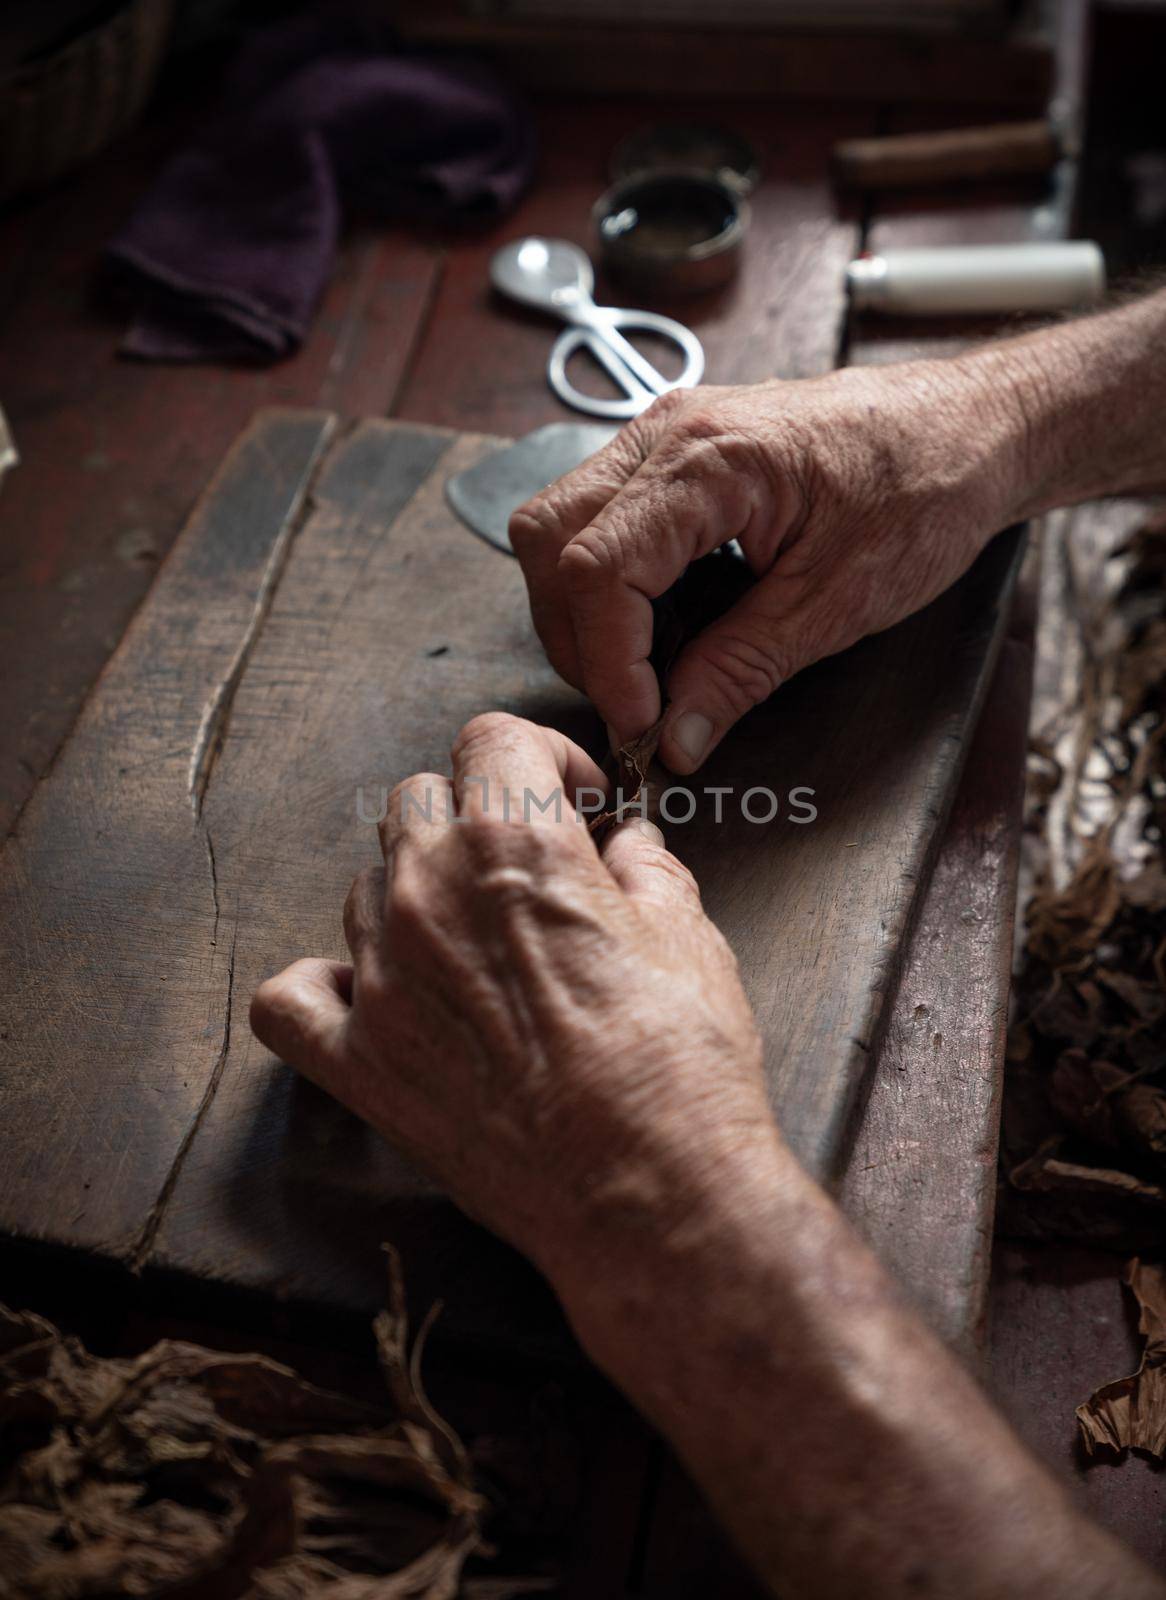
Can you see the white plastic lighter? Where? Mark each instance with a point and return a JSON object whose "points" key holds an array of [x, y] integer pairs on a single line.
{"points": [[947, 280]]}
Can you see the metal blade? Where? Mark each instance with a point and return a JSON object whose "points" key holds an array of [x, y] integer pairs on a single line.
{"points": [[483, 496]]}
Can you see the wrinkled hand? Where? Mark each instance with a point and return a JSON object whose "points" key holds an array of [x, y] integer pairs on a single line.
{"points": [[857, 498], [554, 1033]]}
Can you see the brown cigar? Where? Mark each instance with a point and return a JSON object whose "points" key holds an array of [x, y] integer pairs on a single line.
{"points": [[961, 153]]}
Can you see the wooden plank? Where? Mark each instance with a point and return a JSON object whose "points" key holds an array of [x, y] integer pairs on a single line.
{"points": [[114, 453], [280, 1189], [1062, 1325], [113, 994], [748, 64], [283, 1189], [926, 1145], [920, 1184]]}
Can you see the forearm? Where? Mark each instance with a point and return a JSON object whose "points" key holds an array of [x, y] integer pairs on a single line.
{"points": [[844, 1448], [1087, 399]]}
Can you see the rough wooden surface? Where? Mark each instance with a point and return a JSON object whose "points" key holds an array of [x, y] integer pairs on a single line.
{"points": [[114, 453], [114, 1025], [1009, 62], [1062, 1325], [920, 1181], [405, 314], [214, 773]]}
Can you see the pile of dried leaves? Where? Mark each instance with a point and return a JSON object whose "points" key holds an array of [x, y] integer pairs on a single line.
{"points": [[192, 1474], [1085, 1111]]}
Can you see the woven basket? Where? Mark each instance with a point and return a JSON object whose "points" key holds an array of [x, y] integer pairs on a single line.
{"points": [[61, 109]]}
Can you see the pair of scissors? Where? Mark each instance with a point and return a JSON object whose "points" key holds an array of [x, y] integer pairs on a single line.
{"points": [[553, 275]]}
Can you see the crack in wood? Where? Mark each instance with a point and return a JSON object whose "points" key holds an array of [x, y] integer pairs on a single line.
{"points": [[214, 871], [140, 1252], [208, 744], [212, 729]]}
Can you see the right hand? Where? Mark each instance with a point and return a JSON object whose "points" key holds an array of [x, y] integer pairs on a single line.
{"points": [[857, 499], [556, 1032]]}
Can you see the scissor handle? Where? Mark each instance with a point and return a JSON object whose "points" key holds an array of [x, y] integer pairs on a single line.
{"points": [[628, 369], [611, 318]]}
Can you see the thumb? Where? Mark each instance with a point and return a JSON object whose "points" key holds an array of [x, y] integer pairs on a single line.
{"points": [[635, 854], [301, 1015], [730, 667]]}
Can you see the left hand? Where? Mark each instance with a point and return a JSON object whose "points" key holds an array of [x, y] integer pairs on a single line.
{"points": [[857, 498], [557, 1034]]}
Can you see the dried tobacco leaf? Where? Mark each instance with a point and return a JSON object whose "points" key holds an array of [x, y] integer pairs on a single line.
{"points": [[1065, 925], [1130, 1413], [191, 1474], [1085, 1099], [1048, 1174]]}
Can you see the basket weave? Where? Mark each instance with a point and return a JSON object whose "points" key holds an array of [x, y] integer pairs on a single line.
{"points": [[61, 109]]}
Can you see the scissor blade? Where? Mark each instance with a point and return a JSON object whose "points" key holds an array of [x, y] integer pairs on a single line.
{"points": [[484, 495]]}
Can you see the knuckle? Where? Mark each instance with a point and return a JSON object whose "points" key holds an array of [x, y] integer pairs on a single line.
{"points": [[590, 561], [708, 453], [365, 884], [501, 848], [698, 421], [415, 796], [275, 998], [488, 728], [666, 408], [663, 864], [679, 873], [411, 902], [265, 1002], [743, 671], [360, 896], [534, 523]]}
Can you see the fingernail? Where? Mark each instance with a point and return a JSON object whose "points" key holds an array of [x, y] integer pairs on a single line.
{"points": [[648, 829], [692, 733]]}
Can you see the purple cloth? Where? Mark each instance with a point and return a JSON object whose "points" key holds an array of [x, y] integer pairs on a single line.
{"points": [[231, 248]]}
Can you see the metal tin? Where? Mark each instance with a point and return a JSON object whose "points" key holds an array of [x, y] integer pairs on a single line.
{"points": [[675, 231]]}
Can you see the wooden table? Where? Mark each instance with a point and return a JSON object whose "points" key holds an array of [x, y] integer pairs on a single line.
{"points": [[115, 454]]}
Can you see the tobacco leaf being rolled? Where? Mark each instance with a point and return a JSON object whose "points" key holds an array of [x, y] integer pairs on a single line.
{"points": [[703, 592]]}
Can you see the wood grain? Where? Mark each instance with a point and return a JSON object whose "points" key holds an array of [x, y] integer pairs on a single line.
{"points": [[114, 993], [114, 453], [1013, 64], [389, 626], [920, 1183], [1062, 1325]]}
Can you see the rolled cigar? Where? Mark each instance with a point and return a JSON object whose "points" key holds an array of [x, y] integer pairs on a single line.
{"points": [[962, 153]]}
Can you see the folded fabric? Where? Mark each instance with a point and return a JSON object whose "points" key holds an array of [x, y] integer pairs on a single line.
{"points": [[230, 250]]}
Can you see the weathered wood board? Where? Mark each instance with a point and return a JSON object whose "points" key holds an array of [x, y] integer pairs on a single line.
{"points": [[322, 625]]}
